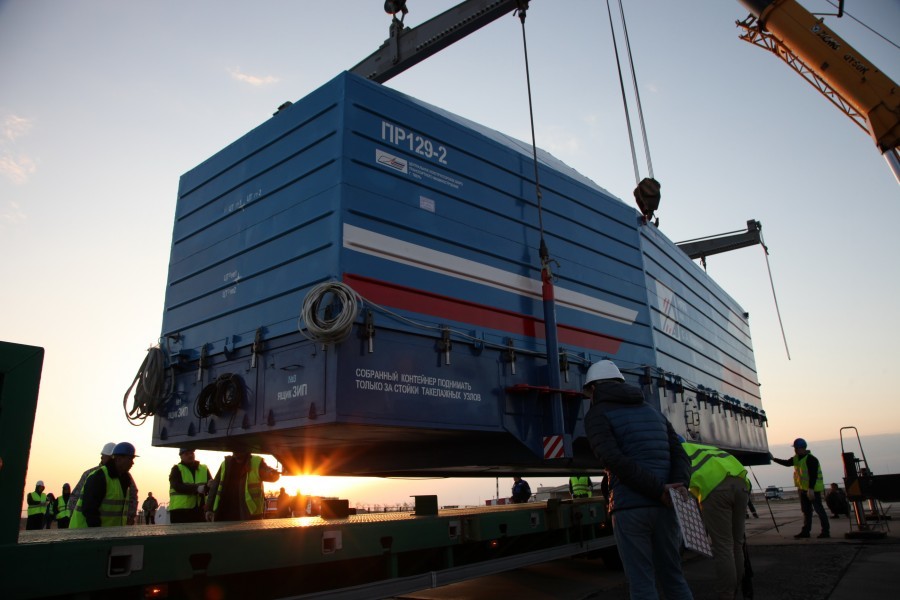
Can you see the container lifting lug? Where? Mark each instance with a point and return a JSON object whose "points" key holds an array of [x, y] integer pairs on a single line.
{"points": [[511, 355], [256, 348], [201, 363], [445, 345], [370, 331]]}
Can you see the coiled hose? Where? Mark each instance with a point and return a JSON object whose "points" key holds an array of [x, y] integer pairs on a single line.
{"points": [[328, 312], [225, 394], [152, 386]]}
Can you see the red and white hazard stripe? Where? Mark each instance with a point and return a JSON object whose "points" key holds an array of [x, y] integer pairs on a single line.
{"points": [[554, 447]]}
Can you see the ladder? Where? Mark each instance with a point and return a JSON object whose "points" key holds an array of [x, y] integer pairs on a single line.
{"points": [[869, 519]]}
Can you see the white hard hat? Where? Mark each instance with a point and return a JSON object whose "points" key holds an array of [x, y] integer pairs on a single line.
{"points": [[39, 483], [108, 449], [604, 369]]}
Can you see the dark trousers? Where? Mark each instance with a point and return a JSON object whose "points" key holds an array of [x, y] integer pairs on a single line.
{"points": [[62, 523], [807, 506], [150, 518], [35, 522], [187, 515]]}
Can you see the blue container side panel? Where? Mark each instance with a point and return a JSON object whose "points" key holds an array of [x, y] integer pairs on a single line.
{"points": [[256, 225], [442, 208], [702, 336], [697, 323], [433, 221]]}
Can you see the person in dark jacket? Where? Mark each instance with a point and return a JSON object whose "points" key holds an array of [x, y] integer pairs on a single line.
{"points": [[521, 491], [149, 507], [837, 503], [644, 461]]}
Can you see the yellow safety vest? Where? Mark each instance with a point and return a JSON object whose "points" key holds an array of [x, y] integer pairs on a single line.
{"points": [[112, 508], [709, 467], [580, 487], [37, 509], [178, 500], [62, 511], [801, 475], [253, 490]]}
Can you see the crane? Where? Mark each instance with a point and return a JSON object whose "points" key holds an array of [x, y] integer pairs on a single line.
{"points": [[839, 72]]}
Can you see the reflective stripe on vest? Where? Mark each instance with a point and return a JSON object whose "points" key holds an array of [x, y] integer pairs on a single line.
{"points": [[41, 507], [62, 511], [112, 508], [580, 487], [178, 500], [709, 467], [801, 475], [253, 491]]}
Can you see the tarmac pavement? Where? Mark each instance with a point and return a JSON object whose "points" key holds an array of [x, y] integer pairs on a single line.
{"points": [[838, 568]]}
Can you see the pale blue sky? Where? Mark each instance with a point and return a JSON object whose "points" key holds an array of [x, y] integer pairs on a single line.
{"points": [[104, 104]]}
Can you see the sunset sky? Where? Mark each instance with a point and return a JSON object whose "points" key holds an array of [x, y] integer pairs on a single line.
{"points": [[104, 104]]}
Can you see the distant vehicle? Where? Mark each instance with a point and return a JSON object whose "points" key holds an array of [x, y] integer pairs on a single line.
{"points": [[774, 493]]}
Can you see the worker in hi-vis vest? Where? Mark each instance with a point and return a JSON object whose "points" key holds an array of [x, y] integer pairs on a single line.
{"points": [[581, 486], [104, 499], [188, 482], [810, 485], [37, 507], [719, 482], [236, 492]]}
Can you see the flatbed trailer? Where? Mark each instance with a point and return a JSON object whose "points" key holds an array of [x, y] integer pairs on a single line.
{"points": [[361, 556], [368, 555]]}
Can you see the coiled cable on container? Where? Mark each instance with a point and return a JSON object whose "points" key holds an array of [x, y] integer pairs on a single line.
{"points": [[152, 385], [225, 394], [328, 312]]}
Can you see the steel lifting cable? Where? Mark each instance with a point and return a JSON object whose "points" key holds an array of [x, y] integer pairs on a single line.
{"points": [[637, 175], [545, 259], [774, 297], [637, 94]]}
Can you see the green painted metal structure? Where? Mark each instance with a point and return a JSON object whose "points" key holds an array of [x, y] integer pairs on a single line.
{"points": [[20, 378], [359, 556]]}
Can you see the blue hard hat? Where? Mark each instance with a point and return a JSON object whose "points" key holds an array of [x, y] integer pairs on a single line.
{"points": [[799, 443], [124, 449]]}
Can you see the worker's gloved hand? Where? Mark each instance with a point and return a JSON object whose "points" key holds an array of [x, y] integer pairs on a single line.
{"points": [[201, 489], [810, 494], [210, 516]]}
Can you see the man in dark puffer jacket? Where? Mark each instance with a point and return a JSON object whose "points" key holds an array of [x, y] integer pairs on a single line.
{"points": [[644, 459]]}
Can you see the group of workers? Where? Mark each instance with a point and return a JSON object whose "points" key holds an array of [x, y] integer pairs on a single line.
{"points": [[106, 495], [647, 463]]}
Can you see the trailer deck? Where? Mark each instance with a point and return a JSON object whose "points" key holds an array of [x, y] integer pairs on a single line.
{"points": [[302, 556]]}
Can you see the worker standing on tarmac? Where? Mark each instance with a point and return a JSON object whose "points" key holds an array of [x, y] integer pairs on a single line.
{"points": [[105, 456], [521, 491], [719, 482], [810, 485], [236, 492], [62, 508], [104, 500], [188, 482], [37, 507], [581, 486]]}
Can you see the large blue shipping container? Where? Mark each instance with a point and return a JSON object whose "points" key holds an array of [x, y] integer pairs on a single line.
{"points": [[410, 237]]}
